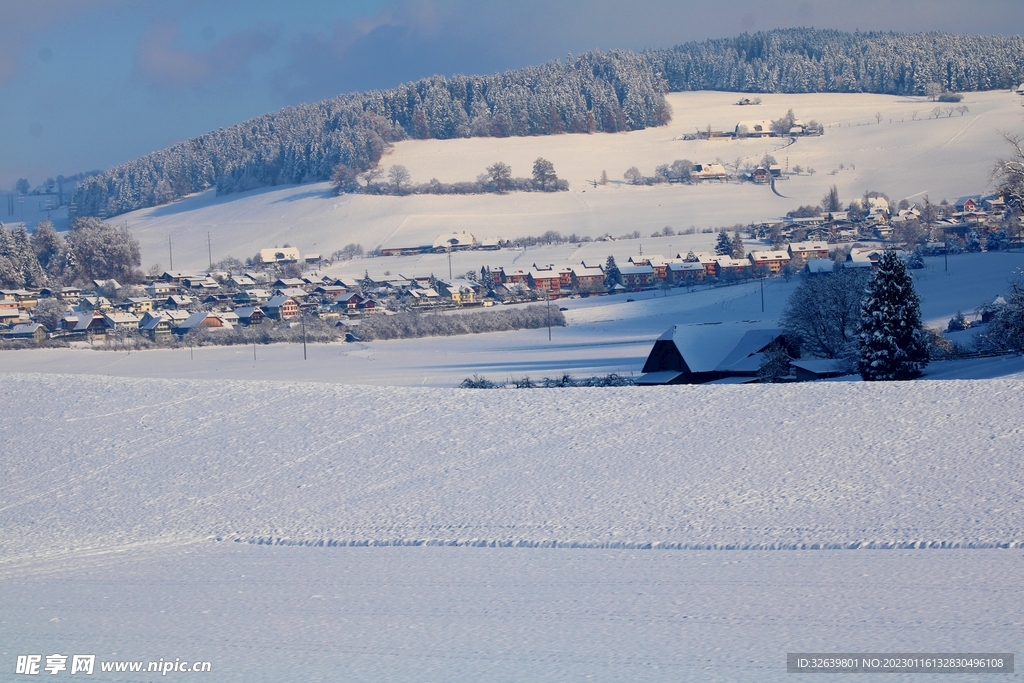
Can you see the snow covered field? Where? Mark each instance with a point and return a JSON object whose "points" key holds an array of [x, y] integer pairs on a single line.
{"points": [[116, 488], [270, 614], [943, 158]]}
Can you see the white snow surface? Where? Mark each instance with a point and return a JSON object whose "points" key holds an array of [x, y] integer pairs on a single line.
{"points": [[507, 615], [103, 462], [944, 157]]}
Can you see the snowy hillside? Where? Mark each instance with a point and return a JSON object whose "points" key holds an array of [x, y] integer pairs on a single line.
{"points": [[908, 154]]}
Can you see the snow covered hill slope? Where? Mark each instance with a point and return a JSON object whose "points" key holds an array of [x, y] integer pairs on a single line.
{"points": [[113, 463], [907, 153]]}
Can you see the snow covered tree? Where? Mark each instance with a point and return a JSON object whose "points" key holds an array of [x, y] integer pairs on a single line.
{"points": [[399, 176], [893, 344], [544, 173], [723, 247], [739, 250], [500, 174], [830, 202], [633, 176], [49, 313], [612, 275], [344, 179], [1010, 173], [1006, 329], [824, 313]]}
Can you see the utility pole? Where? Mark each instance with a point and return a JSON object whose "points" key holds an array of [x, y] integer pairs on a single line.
{"points": [[170, 253], [450, 262], [549, 313], [762, 295], [945, 254], [209, 249], [303, 335]]}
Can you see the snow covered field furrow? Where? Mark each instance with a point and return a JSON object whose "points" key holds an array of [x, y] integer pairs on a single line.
{"points": [[510, 614], [97, 462]]}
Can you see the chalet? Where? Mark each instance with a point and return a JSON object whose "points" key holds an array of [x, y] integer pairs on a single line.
{"points": [[178, 302], [967, 204], [287, 282], [330, 292], [111, 284], [241, 282], [251, 297], [312, 259], [587, 278], [137, 305], [28, 331], [348, 301], [760, 175], [547, 280], [202, 282], [249, 315], [157, 328], [637, 277], [94, 303], [870, 256], [802, 252], [279, 255], [23, 297], [229, 318], [774, 261], [201, 319], [422, 296], [680, 272], [63, 293], [176, 276], [708, 352], [121, 320], [296, 293], [158, 290], [460, 291], [369, 306], [87, 325], [280, 308], [216, 298]]}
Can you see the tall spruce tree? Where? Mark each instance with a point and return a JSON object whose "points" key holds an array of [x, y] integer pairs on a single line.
{"points": [[723, 247], [893, 344], [612, 274]]}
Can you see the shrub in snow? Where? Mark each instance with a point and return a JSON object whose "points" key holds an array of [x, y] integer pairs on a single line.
{"points": [[893, 345], [972, 244]]}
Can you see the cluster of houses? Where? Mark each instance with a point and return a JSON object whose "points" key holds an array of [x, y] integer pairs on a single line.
{"points": [[177, 303], [880, 222]]}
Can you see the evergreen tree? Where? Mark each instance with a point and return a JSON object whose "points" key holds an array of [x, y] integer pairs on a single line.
{"points": [[612, 275], [738, 248], [893, 344], [723, 247]]}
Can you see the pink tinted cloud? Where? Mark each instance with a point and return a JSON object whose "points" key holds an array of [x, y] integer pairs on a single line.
{"points": [[161, 62]]}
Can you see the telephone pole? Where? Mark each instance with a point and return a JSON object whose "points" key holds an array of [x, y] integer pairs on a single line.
{"points": [[209, 249], [170, 253]]}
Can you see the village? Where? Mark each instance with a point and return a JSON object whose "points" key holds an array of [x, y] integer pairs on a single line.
{"points": [[282, 287]]}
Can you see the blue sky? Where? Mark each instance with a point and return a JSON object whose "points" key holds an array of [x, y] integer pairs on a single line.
{"points": [[88, 84]]}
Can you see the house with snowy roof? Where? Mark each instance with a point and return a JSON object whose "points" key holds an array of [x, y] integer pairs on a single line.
{"points": [[679, 272], [699, 353], [774, 260]]}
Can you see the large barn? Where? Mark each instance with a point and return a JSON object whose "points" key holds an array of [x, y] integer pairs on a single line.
{"points": [[709, 352]]}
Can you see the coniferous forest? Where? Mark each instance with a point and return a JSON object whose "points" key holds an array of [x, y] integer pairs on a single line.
{"points": [[594, 92]]}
